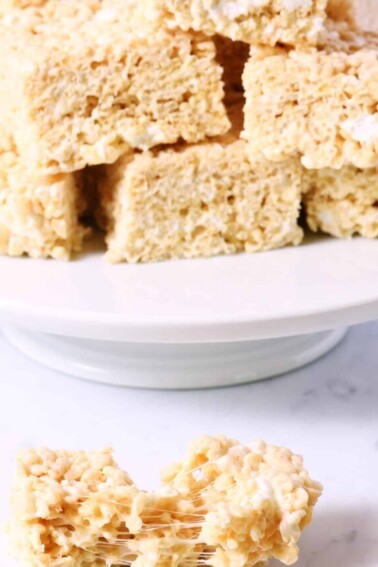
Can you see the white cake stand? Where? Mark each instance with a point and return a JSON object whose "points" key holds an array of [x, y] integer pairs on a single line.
{"points": [[189, 324]]}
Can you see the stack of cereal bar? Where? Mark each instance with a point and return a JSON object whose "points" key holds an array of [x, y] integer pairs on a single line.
{"points": [[184, 128]]}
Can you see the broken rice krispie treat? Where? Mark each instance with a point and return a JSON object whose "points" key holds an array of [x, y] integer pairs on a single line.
{"points": [[343, 203], [257, 498], [80, 87], [201, 200], [318, 104], [224, 504], [266, 21], [38, 213]]}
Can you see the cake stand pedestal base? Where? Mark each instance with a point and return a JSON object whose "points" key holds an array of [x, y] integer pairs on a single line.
{"points": [[173, 366]]}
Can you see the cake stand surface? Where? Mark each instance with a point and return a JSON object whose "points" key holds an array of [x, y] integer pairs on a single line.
{"points": [[189, 324]]}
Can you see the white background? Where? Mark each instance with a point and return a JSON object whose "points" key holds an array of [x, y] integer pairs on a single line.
{"points": [[327, 411]]}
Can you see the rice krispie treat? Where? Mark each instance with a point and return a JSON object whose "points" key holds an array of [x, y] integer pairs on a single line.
{"points": [[201, 200], [79, 86], [237, 505], [38, 213], [258, 499], [266, 21], [343, 203], [318, 104], [62, 502]]}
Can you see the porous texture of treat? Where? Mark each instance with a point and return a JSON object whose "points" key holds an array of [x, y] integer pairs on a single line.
{"points": [[201, 200], [224, 504], [343, 203], [39, 214], [267, 21], [258, 499], [81, 85], [317, 104]]}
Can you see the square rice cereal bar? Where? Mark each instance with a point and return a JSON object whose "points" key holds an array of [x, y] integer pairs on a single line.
{"points": [[200, 200], [266, 21], [343, 203], [39, 214], [80, 86], [318, 104]]}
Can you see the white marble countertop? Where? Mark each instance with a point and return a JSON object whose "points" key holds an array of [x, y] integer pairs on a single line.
{"points": [[327, 411]]}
